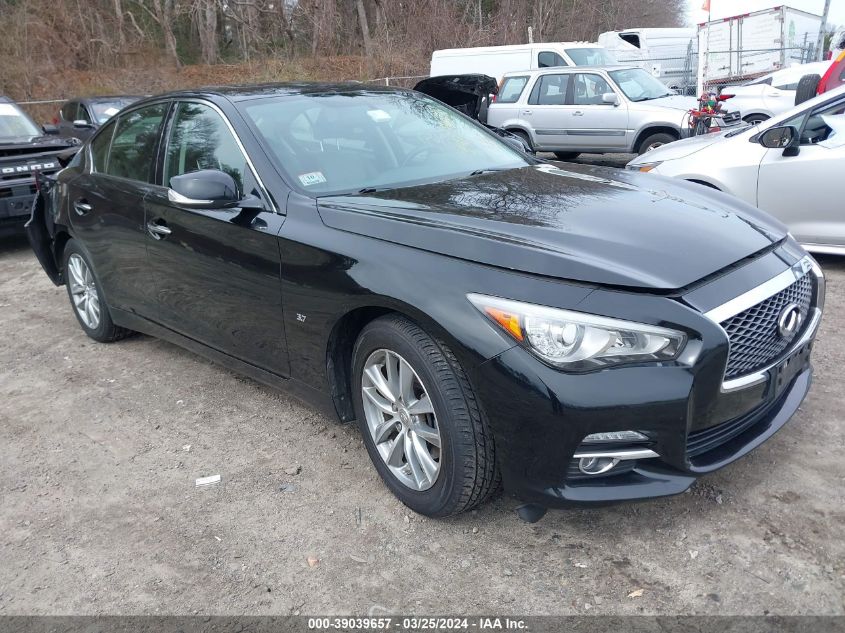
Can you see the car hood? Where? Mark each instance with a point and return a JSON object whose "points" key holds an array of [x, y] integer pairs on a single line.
{"points": [[673, 102], [587, 224], [465, 93], [33, 143], [683, 147]]}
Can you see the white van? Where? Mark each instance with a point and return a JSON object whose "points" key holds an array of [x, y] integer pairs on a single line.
{"points": [[662, 52], [495, 61]]}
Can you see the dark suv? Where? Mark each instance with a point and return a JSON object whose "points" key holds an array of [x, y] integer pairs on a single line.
{"points": [[79, 118], [25, 149]]}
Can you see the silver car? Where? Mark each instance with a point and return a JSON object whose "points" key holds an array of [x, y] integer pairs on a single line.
{"points": [[584, 109]]}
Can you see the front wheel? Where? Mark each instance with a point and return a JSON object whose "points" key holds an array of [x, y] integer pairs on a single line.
{"points": [[420, 419], [654, 141], [755, 119], [86, 297]]}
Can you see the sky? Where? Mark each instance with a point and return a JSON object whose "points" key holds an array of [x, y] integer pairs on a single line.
{"points": [[726, 8]]}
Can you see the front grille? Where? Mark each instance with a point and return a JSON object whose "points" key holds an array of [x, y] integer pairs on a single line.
{"points": [[699, 442], [731, 117], [753, 334]]}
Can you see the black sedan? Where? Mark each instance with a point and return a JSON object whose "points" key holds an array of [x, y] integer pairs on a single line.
{"points": [[580, 335]]}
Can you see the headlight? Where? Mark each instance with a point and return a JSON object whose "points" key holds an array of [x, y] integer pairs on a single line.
{"points": [[643, 167], [576, 341]]}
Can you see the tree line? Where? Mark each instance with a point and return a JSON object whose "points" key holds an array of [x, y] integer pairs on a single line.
{"points": [[101, 34]]}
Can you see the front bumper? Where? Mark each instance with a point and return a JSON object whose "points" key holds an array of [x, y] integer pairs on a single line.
{"points": [[15, 204], [540, 416]]}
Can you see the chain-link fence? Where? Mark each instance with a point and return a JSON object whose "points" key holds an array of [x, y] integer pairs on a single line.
{"points": [[688, 74]]}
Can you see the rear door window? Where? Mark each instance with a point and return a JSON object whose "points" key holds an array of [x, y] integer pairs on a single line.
{"points": [[550, 90], [511, 89], [69, 110], [133, 149], [550, 59]]}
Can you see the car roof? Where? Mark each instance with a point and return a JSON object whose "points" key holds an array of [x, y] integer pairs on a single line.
{"points": [[257, 91], [830, 95], [106, 98], [574, 69]]}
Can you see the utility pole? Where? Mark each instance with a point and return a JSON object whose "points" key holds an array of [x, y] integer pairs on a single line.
{"points": [[822, 29]]}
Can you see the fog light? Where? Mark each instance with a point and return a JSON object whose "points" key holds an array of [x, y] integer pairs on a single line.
{"points": [[596, 465], [617, 436]]}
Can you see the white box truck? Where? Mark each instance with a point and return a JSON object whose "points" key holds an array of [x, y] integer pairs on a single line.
{"points": [[665, 53], [753, 44], [495, 61]]}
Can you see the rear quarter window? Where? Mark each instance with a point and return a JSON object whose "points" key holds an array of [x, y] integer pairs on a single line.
{"points": [[100, 148], [511, 89]]}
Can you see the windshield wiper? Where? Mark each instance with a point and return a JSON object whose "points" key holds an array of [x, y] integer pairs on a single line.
{"points": [[478, 172]]}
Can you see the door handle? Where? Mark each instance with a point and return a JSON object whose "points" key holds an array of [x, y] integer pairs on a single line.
{"points": [[526, 112], [158, 231], [578, 113], [81, 206]]}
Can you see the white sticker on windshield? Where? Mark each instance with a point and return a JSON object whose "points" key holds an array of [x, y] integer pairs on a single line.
{"points": [[7, 109], [378, 115], [111, 111], [314, 178]]}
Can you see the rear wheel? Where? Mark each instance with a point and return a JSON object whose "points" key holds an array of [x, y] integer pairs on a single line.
{"points": [[420, 420], [86, 297], [566, 155], [808, 86], [654, 141]]}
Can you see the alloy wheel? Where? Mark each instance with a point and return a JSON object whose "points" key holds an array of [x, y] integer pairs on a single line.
{"points": [[83, 290], [401, 420]]}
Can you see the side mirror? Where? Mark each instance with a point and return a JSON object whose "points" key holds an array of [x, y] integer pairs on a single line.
{"points": [[49, 128], [205, 188], [82, 124], [784, 137], [611, 98]]}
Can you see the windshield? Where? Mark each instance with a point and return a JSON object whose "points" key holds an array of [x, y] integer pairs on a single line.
{"points": [[638, 85], [104, 110], [15, 124], [594, 56], [346, 142]]}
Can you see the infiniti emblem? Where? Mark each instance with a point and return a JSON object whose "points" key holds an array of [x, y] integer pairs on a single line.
{"points": [[790, 320]]}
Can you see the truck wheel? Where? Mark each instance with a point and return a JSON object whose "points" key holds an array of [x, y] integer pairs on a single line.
{"points": [[420, 420], [86, 297], [808, 86], [654, 141], [566, 155]]}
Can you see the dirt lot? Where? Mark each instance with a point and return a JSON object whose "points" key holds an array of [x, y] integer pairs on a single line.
{"points": [[101, 444]]}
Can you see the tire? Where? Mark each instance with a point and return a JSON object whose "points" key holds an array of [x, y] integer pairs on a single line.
{"points": [[808, 86], [86, 297], [566, 155], [754, 119], [466, 473], [654, 141], [524, 137]]}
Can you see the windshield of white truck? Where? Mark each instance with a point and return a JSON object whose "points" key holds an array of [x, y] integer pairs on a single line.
{"points": [[591, 57]]}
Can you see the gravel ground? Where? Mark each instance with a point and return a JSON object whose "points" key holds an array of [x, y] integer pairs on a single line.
{"points": [[99, 514]]}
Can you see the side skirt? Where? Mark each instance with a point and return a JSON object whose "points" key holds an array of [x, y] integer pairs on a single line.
{"points": [[299, 390]]}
